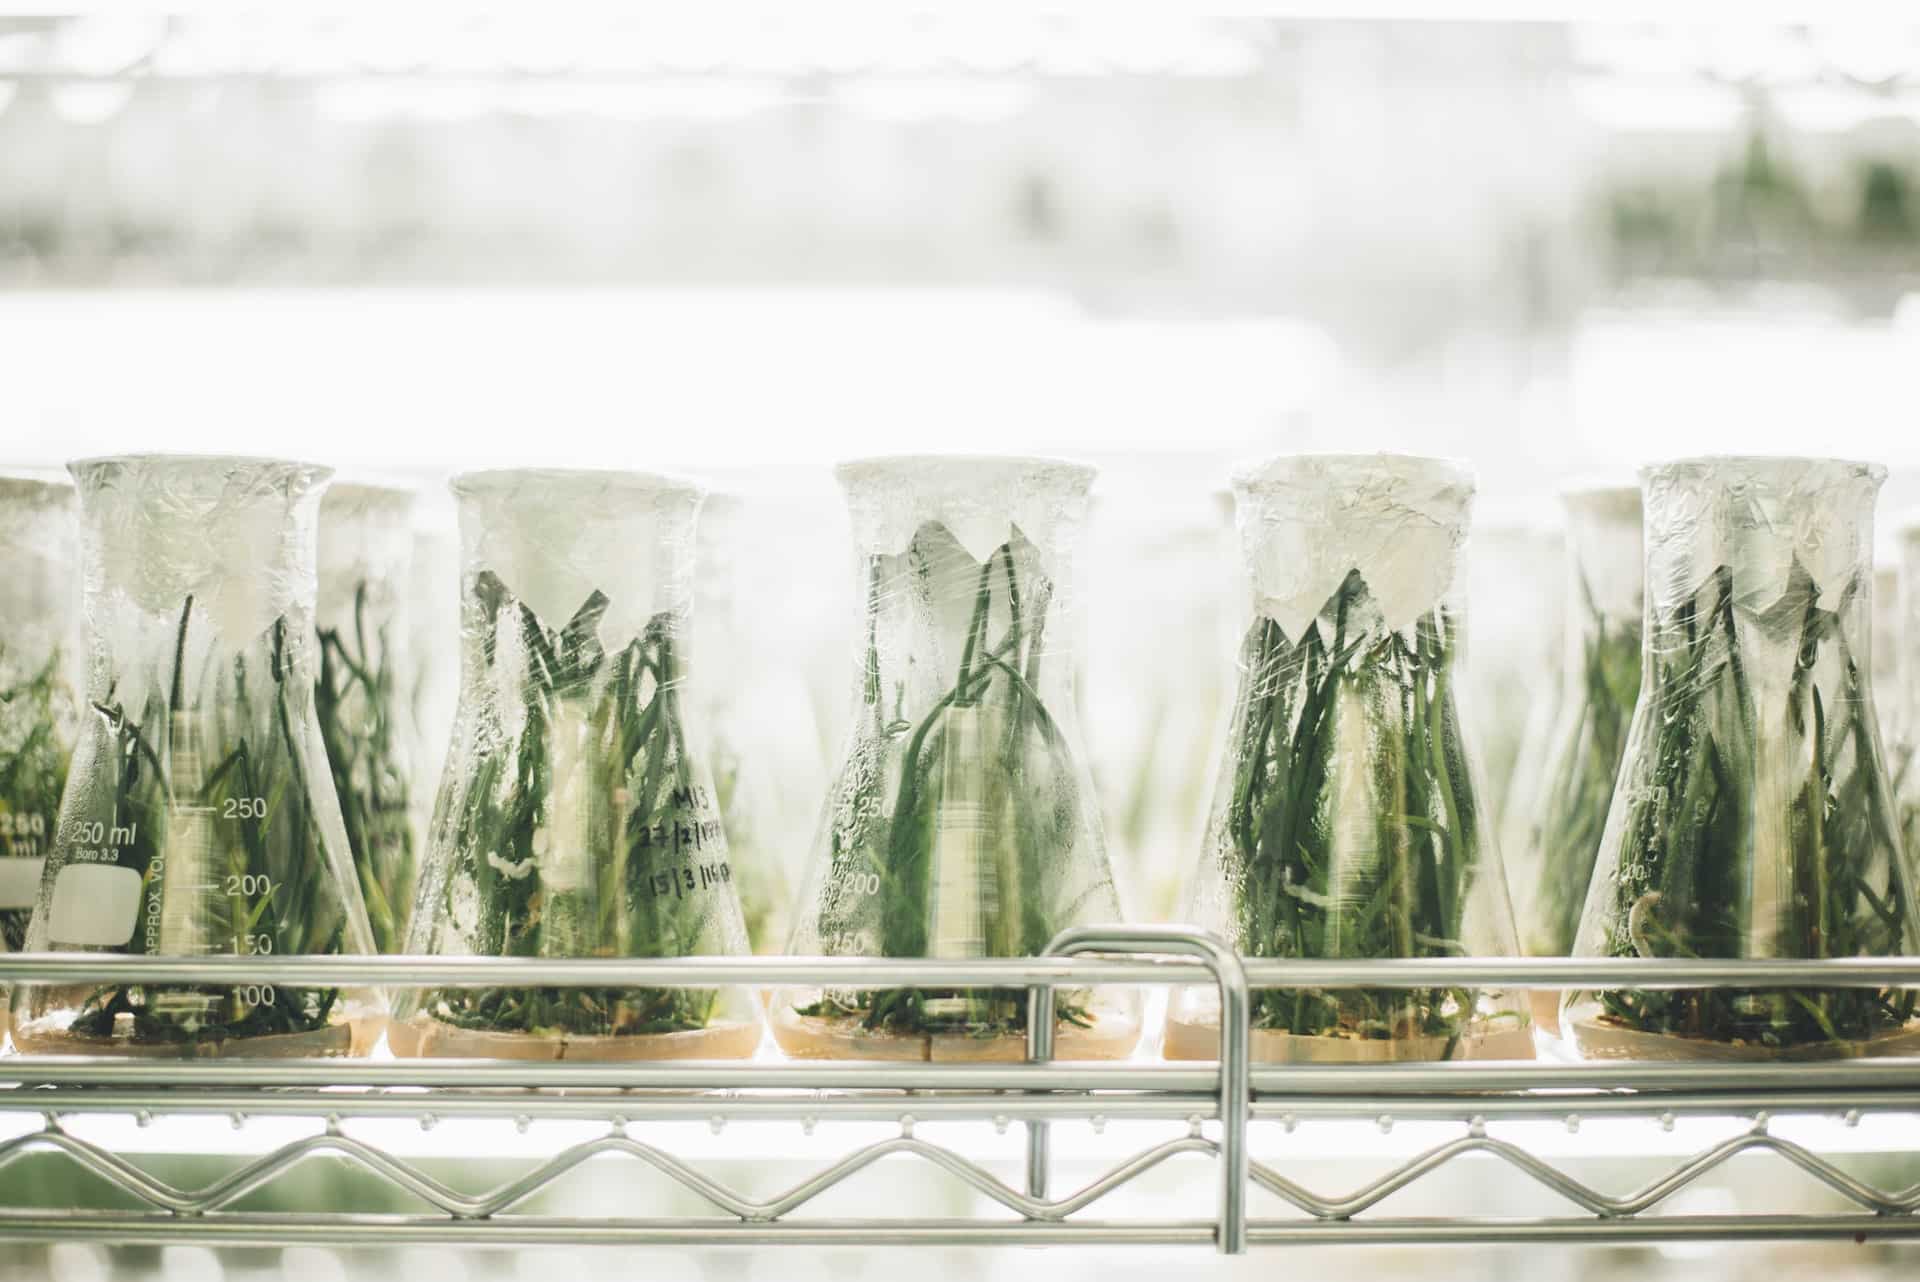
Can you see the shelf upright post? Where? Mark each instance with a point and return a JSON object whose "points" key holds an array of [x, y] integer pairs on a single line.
{"points": [[1039, 1051], [1236, 1037]]}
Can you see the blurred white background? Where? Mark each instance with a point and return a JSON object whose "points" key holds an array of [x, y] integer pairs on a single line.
{"points": [[478, 236]]}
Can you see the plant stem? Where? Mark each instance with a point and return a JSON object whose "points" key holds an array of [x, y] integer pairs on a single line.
{"points": [[990, 735], [1348, 828], [599, 842], [1690, 879], [239, 841]]}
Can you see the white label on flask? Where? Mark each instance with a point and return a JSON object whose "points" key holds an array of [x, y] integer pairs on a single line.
{"points": [[20, 881], [94, 905]]}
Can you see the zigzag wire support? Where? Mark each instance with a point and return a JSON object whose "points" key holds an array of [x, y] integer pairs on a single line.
{"points": [[1231, 1094]]}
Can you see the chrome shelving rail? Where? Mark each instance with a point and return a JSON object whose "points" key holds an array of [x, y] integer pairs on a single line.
{"points": [[1216, 1110]]}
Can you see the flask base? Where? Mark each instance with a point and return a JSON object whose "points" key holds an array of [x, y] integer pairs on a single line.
{"points": [[844, 1037], [1603, 1039], [347, 1040], [1546, 1009], [424, 1037], [1198, 1039]]}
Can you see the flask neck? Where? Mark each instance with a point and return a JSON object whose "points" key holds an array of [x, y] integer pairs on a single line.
{"points": [[365, 553], [1604, 596], [966, 565], [556, 541], [39, 546], [1776, 534], [981, 503], [237, 536], [945, 630], [1310, 524]]}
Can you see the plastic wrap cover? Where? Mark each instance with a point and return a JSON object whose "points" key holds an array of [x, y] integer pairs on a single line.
{"points": [[1759, 517], [39, 540], [1604, 556], [556, 537], [366, 539], [236, 534], [980, 501], [1307, 521]]}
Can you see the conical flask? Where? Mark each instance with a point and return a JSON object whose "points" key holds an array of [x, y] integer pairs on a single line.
{"points": [[361, 695], [962, 822], [1156, 698], [1904, 739], [39, 662], [433, 645], [576, 817], [1515, 566], [199, 818], [1752, 817], [1889, 661], [747, 708], [1347, 822], [1566, 813]]}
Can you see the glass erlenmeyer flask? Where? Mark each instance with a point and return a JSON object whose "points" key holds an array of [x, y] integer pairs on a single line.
{"points": [[199, 818], [39, 644], [746, 707], [1347, 822], [576, 817], [1156, 698], [1752, 817], [1599, 680], [961, 822], [1515, 566], [1903, 743], [361, 696], [433, 644], [1888, 661]]}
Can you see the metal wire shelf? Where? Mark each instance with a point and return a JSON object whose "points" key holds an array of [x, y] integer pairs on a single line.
{"points": [[1209, 1111]]}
